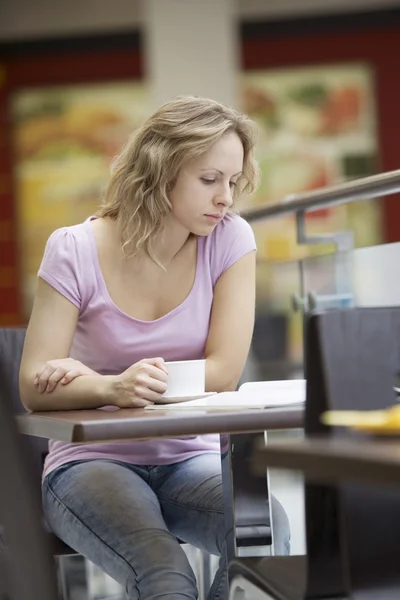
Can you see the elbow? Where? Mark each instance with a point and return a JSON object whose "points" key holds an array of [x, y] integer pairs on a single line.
{"points": [[27, 393], [227, 382], [230, 384], [220, 377]]}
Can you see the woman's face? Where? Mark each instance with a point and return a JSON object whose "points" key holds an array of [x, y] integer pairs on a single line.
{"points": [[203, 192]]}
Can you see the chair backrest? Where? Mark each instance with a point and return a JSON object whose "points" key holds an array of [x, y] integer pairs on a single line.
{"points": [[352, 362], [11, 345], [326, 565], [30, 563], [360, 355]]}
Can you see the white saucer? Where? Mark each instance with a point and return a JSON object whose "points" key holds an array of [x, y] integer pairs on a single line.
{"points": [[174, 399]]}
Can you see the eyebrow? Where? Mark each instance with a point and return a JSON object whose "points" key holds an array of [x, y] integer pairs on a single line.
{"points": [[221, 172]]}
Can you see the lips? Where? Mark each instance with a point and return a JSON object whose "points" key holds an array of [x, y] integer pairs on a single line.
{"points": [[215, 216]]}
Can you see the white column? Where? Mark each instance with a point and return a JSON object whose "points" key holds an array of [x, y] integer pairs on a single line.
{"points": [[191, 48]]}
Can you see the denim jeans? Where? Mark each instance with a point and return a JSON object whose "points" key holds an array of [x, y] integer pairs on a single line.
{"points": [[127, 519]]}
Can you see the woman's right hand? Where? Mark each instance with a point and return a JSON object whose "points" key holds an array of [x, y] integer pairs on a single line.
{"points": [[141, 384]]}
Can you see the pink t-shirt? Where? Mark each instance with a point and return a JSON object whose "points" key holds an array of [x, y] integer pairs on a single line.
{"points": [[109, 341]]}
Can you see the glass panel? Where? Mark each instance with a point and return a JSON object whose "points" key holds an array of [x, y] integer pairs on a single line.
{"points": [[276, 350], [375, 274], [327, 281], [362, 277]]}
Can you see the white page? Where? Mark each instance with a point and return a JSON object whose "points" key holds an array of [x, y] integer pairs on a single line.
{"points": [[262, 394]]}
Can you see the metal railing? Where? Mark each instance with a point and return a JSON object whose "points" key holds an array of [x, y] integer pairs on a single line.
{"points": [[364, 188]]}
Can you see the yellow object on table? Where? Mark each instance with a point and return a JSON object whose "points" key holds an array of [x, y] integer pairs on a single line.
{"points": [[386, 422]]}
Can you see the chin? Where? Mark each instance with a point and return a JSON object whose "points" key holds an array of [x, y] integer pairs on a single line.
{"points": [[203, 231]]}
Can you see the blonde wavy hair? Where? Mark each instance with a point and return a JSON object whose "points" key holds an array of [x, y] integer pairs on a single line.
{"points": [[146, 169]]}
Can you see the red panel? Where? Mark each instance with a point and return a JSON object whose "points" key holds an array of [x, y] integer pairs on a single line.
{"points": [[74, 68], [9, 294]]}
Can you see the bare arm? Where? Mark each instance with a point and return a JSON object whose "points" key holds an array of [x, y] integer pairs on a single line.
{"points": [[231, 326], [49, 336]]}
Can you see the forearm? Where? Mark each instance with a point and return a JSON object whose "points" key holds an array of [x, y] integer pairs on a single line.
{"points": [[83, 392], [220, 377]]}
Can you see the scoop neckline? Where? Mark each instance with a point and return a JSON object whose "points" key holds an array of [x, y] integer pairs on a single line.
{"points": [[106, 295]]}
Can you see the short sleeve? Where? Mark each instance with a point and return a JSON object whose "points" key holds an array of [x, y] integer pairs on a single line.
{"points": [[60, 264], [233, 238]]}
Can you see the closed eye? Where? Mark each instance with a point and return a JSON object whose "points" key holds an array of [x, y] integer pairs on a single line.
{"points": [[207, 181]]}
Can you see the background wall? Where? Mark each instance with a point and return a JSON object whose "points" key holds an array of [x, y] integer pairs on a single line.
{"points": [[44, 18], [332, 41], [119, 56]]}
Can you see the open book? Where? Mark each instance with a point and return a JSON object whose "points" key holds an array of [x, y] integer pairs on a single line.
{"points": [[257, 394]]}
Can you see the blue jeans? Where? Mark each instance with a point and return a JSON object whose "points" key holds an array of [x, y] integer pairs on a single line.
{"points": [[127, 518]]}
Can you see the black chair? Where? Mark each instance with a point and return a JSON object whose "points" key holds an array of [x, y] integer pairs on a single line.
{"points": [[250, 497], [28, 566], [11, 345], [353, 531], [354, 363]]}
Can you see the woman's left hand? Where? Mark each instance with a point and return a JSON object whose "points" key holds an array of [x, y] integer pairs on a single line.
{"points": [[62, 370]]}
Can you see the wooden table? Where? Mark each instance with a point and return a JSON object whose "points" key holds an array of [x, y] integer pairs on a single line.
{"points": [[80, 426], [362, 459], [238, 431]]}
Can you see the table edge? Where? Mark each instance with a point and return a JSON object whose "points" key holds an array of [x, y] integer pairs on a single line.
{"points": [[221, 422]]}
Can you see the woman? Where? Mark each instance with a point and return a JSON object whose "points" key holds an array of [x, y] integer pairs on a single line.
{"points": [[164, 272]]}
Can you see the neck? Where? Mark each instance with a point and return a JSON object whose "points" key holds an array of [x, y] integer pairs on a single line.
{"points": [[173, 238]]}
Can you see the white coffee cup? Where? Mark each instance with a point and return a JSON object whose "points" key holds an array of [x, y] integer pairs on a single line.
{"points": [[185, 378]]}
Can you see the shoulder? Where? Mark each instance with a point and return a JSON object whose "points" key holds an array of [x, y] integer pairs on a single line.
{"points": [[68, 244], [230, 241], [233, 235], [69, 236], [231, 227], [66, 262]]}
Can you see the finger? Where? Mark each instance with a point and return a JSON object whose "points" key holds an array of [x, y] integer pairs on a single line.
{"points": [[154, 372], [70, 376], [141, 402], [40, 372], [49, 367], [54, 378], [133, 401], [146, 393], [158, 361], [155, 385], [44, 377], [143, 380]]}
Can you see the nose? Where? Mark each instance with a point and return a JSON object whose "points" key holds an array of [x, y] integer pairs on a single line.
{"points": [[224, 197]]}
